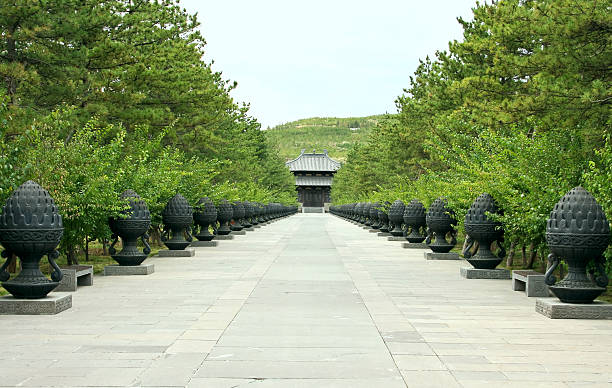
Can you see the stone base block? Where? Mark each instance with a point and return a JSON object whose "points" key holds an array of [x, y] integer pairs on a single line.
{"points": [[307, 209], [249, 229], [128, 270], [473, 273], [257, 226], [238, 232], [384, 234], [441, 256], [187, 252], [396, 238], [197, 244], [366, 227], [374, 231], [409, 245], [54, 303], [555, 309], [224, 237]]}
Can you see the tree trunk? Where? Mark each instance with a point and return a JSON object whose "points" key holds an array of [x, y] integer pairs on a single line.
{"points": [[156, 235], [86, 248], [105, 246], [510, 259], [532, 255], [71, 256], [524, 255]]}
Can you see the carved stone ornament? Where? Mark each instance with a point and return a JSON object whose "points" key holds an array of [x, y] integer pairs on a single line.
{"points": [[30, 227], [261, 211], [359, 212], [375, 222], [177, 217], [383, 215], [255, 216], [414, 218], [367, 221], [478, 227], [577, 232], [238, 217], [225, 212], [133, 225], [248, 214], [440, 222], [204, 217], [396, 217]]}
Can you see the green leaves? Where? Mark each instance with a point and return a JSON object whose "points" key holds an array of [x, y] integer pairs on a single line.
{"points": [[163, 120], [517, 109]]}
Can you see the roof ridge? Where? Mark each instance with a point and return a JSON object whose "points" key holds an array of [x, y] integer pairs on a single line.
{"points": [[313, 162]]}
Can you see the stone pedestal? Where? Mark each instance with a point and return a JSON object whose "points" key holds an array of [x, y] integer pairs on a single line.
{"points": [[187, 252], [129, 270], [396, 238], [249, 229], [374, 231], [54, 303], [224, 237], [384, 234], [410, 245], [257, 226], [555, 309], [473, 273], [441, 256], [238, 232], [367, 227], [197, 244]]}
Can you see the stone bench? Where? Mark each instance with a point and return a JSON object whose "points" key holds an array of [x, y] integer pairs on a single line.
{"points": [[532, 282], [75, 275]]}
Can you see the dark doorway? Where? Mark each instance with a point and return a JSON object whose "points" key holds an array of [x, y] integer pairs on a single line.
{"points": [[313, 198]]}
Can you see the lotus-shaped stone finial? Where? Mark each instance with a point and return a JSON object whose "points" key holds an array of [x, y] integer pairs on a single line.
{"points": [[177, 217], [248, 214], [414, 218], [375, 222], [132, 225], [478, 227], [396, 217], [238, 217], [440, 221], [30, 227], [225, 212], [205, 217], [577, 232]]}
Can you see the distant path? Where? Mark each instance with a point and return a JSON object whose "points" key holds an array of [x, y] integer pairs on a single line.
{"points": [[308, 301]]}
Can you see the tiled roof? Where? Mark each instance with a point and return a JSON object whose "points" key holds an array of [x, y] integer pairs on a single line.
{"points": [[301, 180], [313, 162]]}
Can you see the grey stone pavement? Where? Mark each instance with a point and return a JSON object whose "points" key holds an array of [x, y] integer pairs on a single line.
{"points": [[308, 301]]}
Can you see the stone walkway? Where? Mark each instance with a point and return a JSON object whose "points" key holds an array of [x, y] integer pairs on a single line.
{"points": [[308, 301]]}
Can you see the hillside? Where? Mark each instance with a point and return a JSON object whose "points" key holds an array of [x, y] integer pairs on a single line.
{"points": [[331, 133]]}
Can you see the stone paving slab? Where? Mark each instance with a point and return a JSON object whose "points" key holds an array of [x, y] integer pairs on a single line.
{"points": [[307, 301]]}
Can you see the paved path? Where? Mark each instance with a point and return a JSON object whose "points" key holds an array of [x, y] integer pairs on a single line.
{"points": [[308, 301]]}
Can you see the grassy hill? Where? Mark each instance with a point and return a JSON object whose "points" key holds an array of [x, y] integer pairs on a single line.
{"points": [[331, 133]]}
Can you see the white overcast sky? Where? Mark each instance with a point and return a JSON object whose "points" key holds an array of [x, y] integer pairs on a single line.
{"points": [[338, 58]]}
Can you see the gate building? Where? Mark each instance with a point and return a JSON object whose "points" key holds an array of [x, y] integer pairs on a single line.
{"points": [[314, 174]]}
